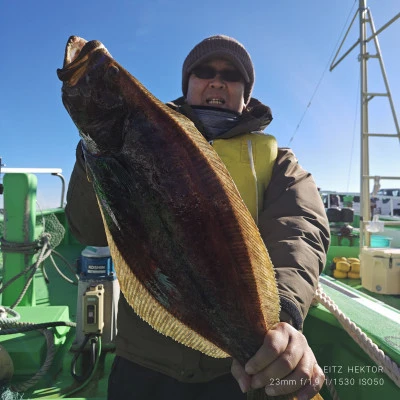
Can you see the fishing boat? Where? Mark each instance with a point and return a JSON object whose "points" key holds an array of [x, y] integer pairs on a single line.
{"points": [[58, 297], [363, 261]]}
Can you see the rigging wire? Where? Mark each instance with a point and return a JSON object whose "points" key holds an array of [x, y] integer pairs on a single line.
{"points": [[322, 76], [354, 134]]}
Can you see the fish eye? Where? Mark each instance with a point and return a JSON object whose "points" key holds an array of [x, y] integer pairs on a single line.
{"points": [[112, 72]]}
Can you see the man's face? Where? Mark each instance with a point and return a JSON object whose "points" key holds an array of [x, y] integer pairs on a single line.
{"points": [[223, 89]]}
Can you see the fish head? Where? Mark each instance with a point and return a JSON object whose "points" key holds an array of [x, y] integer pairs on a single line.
{"points": [[91, 94]]}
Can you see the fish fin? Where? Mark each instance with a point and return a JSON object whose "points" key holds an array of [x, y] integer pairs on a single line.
{"points": [[151, 311], [264, 275]]}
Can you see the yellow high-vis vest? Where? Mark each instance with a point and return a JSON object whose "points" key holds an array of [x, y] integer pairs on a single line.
{"points": [[249, 159]]}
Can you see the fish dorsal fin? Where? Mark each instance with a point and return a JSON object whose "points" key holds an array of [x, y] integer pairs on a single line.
{"points": [[151, 311], [264, 274]]}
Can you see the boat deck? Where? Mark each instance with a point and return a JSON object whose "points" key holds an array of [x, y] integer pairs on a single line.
{"points": [[337, 353], [55, 301]]}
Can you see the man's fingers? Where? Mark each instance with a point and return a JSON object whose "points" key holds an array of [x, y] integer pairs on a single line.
{"points": [[305, 384], [240, 375], [275, 343], [284, 364], [317, 380], [289, 361]]}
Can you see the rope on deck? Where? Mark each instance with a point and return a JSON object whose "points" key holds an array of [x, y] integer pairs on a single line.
{"points": [[391, 369], [12, 325], [8, 325], [43, 247], [43, 244], [22, 387]]}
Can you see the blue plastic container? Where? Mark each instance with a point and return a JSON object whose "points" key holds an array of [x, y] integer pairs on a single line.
{"points": [[380, 241]]}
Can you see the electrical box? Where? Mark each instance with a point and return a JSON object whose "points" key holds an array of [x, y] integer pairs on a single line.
{"points": [[93, 309], [95, 267]]}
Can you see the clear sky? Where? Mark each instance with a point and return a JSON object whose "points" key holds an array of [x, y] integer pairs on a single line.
{"points": [[291, 43]]}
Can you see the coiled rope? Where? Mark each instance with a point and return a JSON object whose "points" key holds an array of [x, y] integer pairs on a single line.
{"points": [[42, 244], [22, 387], [391, 369], [11, 325]]}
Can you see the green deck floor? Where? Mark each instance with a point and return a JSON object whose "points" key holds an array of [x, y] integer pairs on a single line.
{"points": [[332, 345], [60, 292], [55, 301]]}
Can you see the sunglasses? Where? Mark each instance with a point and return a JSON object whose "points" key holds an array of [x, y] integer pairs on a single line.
{"points": [[208, 72]]}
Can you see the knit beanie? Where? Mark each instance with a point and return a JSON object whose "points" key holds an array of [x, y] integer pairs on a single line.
{"points": [[220, 46]]}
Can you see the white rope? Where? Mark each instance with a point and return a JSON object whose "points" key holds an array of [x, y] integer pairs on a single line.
{"points": [[389, 366]]}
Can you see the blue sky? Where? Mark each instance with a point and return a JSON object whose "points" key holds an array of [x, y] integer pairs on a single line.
{"points": [[291, 43]]}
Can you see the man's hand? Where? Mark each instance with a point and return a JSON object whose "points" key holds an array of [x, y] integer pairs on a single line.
{"points": [[284, 364]]}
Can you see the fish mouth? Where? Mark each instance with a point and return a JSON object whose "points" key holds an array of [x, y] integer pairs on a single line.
{"points": [[72, 49], [77, 52]]}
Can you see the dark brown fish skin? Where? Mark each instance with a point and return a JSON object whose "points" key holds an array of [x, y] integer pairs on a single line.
{"points": [[162, 203], [172, 216], [97, 108]]}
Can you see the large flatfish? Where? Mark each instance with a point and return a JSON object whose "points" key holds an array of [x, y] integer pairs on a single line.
{"points": [[189, 257]]}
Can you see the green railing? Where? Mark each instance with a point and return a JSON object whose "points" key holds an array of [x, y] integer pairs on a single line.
{"points": [[20, 231]]}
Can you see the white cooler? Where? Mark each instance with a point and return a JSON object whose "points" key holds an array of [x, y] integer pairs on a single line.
{"points": [[380, 270]]}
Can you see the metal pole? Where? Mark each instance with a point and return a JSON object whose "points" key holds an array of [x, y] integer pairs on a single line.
{"points": [[365, 209], [19, 228], [365, 16], [383, 70], [52, 171]]}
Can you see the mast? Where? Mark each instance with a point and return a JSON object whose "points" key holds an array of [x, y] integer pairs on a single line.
{"points": [[365, 201], [365, 18]]}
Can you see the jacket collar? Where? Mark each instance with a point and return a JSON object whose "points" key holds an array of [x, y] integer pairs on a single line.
{"points": [[256, 117]]}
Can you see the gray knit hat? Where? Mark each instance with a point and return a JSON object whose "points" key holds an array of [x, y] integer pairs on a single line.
{"points": [[224, 47]]}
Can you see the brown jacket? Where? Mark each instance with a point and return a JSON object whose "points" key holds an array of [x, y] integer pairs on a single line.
{"points": [[293, 225]]}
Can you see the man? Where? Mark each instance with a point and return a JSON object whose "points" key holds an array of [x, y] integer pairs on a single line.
{"points": [[217, 81]]}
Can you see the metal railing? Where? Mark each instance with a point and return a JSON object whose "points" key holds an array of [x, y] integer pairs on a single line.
{"points": [[52, 171]]}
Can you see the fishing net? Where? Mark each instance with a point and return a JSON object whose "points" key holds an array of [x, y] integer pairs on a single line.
{"points": [[8, 394], [49, 224]]}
